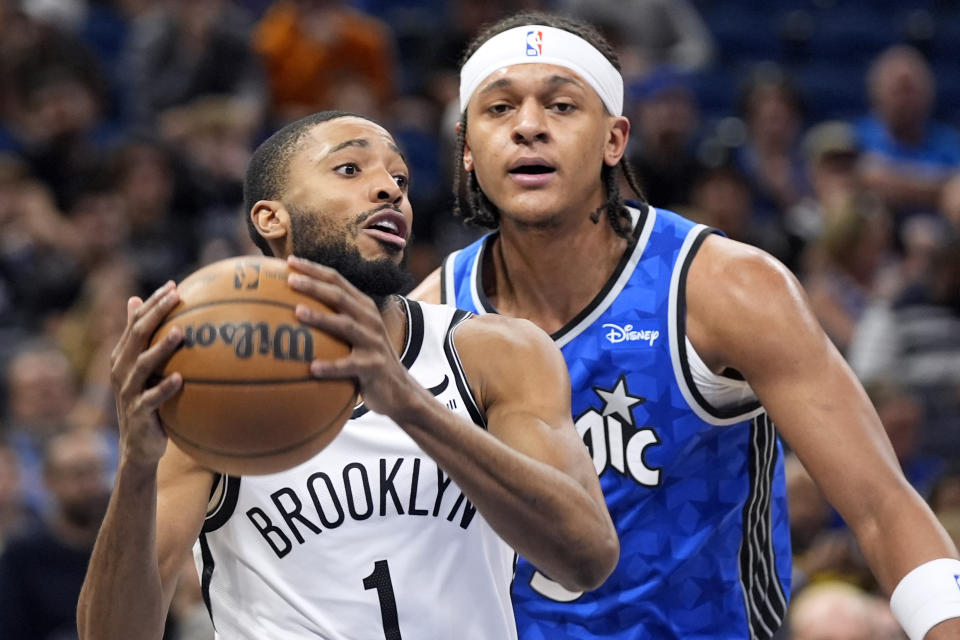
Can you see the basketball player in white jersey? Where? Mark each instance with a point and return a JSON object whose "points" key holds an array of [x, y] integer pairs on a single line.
{"points": [[461, 450]]}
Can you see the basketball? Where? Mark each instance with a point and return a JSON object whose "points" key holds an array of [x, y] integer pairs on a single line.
{"points": [[248, 404]]}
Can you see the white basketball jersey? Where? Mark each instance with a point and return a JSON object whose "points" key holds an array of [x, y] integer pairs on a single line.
{"points": [[368, 540]]}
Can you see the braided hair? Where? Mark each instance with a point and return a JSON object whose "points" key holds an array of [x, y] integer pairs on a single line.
{"points": [[479, 209]]}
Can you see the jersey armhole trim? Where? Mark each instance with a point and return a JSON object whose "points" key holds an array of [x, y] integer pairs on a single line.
{"points": [[206, 574], [678, 341], [228, 488], [412, 345], [448, 282], [459, 375]]}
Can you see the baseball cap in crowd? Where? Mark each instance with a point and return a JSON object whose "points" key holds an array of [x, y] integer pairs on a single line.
{"points": [[830, 138]]}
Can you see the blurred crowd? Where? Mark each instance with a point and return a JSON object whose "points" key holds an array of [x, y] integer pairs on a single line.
{"points": [[126, 126]]}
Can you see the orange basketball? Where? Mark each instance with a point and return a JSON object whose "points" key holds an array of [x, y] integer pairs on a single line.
{"points": [[249, 404]]}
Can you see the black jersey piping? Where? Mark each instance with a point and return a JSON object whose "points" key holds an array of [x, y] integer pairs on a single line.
{"points": [[459, 375], [681, 328], [448, 263], [485, 303], [764, 597], [206, 574], [597, 299], [411, 346], [228, 502]]}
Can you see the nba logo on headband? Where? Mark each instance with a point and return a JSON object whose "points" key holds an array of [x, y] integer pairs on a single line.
{"points": [[534, 43], [565, 50]]}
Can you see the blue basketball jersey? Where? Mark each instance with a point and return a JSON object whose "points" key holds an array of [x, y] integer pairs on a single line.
{"points": [[695, 489]]}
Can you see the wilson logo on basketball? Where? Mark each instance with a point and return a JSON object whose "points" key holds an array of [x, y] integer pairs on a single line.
{"points": [[283, 342]]}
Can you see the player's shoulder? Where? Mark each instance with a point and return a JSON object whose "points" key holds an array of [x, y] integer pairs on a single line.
{"points": [[429, 290], [727, 265], [737, 289], [490, 333]]}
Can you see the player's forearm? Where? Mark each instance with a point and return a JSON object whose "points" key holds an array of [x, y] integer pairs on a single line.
{"points": [[543, 513], [122, 595], [899, 533]]}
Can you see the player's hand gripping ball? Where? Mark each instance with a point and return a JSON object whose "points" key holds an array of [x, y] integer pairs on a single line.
{"points": [[249, 404]]}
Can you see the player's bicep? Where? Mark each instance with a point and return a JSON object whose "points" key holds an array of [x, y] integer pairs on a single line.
{"points": [[522, 382], [183, 492], [760, 323]]}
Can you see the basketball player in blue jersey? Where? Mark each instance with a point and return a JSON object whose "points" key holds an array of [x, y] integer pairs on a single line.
{"points": [[684, 348], [462, 445]]}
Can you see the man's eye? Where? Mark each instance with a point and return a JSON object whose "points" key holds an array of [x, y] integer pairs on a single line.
{"points": [[348, 169], [402, 181], [563, 107], [499, 108]]}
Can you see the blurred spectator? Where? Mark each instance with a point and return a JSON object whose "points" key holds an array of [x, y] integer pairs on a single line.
{"points": [[918, 335], [87, 333], [950, 202], [185, 49], [14, 516], [41, 393], [98, 216], [721, 197], [809, 516], [831, 154], [41, 571], [37, 250], [213, 138], [324, 54], [823, 548], [771, 108], [917, 338], [162, 242], [902, 415], [908, 156], [838, 611], [56, 114], [665, 120], [658, 32], [945, 495], [847, 266]]}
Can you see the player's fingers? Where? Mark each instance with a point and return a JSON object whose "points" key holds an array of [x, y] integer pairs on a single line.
{"points": [[322, 273], [150, 361], [338, 325], [151, 399], [356, 305], [138, 309], [151, 303], [138, 334], [133, 304], [340, 369]]}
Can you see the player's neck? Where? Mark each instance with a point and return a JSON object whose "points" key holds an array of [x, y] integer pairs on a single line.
{"points": [[395, 321], [549, 275]]}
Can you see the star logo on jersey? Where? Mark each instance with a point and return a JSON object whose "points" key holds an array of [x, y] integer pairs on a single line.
{"points": [[618, 401]]}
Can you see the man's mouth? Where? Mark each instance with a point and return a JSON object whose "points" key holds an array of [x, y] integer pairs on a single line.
{"points": [[532, 169], [532, 172], [388, 226]]}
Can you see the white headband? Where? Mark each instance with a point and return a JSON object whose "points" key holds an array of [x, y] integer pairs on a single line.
{"points": [[544, 45]]}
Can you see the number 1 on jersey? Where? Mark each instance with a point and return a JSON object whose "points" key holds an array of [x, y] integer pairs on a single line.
{"points": [[380, 580]]}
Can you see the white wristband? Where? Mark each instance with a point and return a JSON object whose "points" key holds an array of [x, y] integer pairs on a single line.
{"points": [[927, 596]]}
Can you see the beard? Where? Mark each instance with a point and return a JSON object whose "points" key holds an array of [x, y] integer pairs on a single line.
{"points": [[327, 245]]}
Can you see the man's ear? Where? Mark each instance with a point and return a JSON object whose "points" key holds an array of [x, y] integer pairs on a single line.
{"points": [[272, 221], [467, 154], [616, 144]]}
